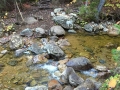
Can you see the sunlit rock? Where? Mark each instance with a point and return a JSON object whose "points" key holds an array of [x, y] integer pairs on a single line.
{"points": [[57, 30]]}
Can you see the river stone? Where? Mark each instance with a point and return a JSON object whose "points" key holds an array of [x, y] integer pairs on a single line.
{"points": [[79, 63], [26, 32], [1, 32], [68, 87], [35, 48], [69, 76], [15, 41], [54, 51], [4, 40], [57, 30], [19, 52], [39, 59], [37, 88], [40, 32], [87, 85], [54, 85]]}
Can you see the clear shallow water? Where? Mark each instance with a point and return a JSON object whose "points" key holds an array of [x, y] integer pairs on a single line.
{"points": [[96, 48]]}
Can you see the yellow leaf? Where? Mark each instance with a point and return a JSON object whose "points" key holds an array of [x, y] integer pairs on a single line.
{"points": [[112, 83]]}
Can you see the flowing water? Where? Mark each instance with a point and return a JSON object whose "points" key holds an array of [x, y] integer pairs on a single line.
{"points": [[97, 48]]}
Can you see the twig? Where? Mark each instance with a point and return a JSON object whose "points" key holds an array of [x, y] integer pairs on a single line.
{"points": [[19, 11]]}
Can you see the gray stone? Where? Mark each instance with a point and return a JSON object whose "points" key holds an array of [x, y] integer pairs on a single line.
{"points": [[58, 10], [35, 48], [87, 85], [65, 21], [19, 52], [79, 63], [57, 30], [30, 20], [40, 32], [72, 31], [54, 51], [69, 76], [1, 32], [26, 32]]}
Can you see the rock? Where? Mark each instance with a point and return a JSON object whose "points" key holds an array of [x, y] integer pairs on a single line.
{"points": [[40, 32], [54, 85], [15, 41], [90, 27], [91, 72], [39, 59], [4, 51], [30, 20], [54, 51], [61, 67], [64, 61], [52, 14], [72, 31], [1, 32], [63, 42], [53, 38], [26, 32], [4, 40], [19, 52], [12, 62], [35, 48], [33, 83], [87, 85], [101, 68], [79, 63], [68, 87], [58, 10], [37, 88], [69, 76], [57, 30], [65, 21], [113, 31]]}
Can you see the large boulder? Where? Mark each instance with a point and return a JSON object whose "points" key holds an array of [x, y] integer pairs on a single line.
{"points": [[79, 63]]}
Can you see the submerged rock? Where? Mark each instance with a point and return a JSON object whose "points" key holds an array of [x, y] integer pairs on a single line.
{"points": [[79, 63]]}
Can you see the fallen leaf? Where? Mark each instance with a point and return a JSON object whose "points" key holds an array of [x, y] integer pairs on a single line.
{"points": [[112, 83]]}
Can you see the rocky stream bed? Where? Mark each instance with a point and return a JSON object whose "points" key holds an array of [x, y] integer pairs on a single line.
{"points": [[46, 56]]}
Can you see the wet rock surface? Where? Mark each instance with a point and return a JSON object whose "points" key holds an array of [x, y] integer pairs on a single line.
{"points": [[79, 63]]}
